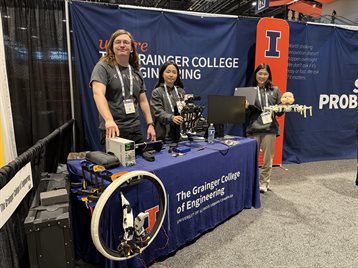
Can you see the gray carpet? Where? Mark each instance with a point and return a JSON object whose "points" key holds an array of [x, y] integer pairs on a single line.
{"points": [[309, 219]]}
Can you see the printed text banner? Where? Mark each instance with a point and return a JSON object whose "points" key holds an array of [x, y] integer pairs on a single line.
{"points": [[323, 64], [213, 53], [217, 54]]}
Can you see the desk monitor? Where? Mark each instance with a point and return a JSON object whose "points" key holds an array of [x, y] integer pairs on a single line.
{"points": [[248, 92], [226, 109]]}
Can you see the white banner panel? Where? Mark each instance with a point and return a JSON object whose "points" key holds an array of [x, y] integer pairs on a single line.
{"points": [[13, 192], [7, 136]]}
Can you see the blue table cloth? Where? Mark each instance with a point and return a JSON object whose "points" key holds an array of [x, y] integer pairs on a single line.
{"points": [[204, 187]]}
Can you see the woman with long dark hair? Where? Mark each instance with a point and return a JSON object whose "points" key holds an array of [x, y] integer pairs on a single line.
{"points": [[167, 93], [263, 126]]}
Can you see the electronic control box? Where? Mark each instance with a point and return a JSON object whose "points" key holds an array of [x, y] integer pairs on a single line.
{"points": [[122, 148]]}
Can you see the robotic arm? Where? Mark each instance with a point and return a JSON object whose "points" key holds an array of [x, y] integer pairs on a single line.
{"points": [[139, 223], [141, 234], [302, 109], [135, 235], [191, 113], [128, 226]]}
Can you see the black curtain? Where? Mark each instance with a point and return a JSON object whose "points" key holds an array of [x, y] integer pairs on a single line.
{"points": [[38, 76], [37, 67], [13, 243]]}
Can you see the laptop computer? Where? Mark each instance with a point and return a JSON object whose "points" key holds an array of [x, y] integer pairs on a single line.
{"points": [[248, 92]]}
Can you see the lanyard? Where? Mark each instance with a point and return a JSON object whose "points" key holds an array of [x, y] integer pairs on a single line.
{"points": [[259, 96], [130, 81], [169, 100]]}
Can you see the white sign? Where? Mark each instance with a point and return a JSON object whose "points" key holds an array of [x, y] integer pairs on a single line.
{"points": [[14, 192], [7, 134]]}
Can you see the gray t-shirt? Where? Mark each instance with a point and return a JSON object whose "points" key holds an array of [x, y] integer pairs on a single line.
{"points": [[108, 76]]}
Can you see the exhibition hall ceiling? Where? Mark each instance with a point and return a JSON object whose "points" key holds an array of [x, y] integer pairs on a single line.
{"points": [[278, 8]]}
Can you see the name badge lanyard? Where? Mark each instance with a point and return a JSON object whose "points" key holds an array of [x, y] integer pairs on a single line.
{"points": [[259, 96], [130, 81], [169, 100]]}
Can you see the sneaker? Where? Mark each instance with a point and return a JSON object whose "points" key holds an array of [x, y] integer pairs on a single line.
{"points": [[183, 136], [263, 189]]}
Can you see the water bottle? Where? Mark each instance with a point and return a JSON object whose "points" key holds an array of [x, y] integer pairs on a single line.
{"points": [[211, 133]]}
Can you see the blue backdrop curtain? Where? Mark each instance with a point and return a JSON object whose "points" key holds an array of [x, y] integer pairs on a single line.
{"points": [[322, 64], [322, 73], [215, 54]]}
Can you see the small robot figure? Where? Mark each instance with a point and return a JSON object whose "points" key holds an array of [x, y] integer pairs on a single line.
{"points": [[287, 100]]}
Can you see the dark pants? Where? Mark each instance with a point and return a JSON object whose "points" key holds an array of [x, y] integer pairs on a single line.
{"points": [[133, 133]]}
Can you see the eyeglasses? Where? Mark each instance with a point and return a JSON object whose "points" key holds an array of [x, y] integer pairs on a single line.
{"points": [[124, 42]]}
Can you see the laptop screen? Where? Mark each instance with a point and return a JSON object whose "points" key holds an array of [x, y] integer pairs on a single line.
{"points": [[248, 92]]}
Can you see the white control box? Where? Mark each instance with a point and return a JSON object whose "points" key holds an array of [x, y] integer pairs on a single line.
{"points": [[122, 148]]}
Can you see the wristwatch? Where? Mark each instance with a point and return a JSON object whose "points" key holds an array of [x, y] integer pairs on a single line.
{"points": [[150, 124]]}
